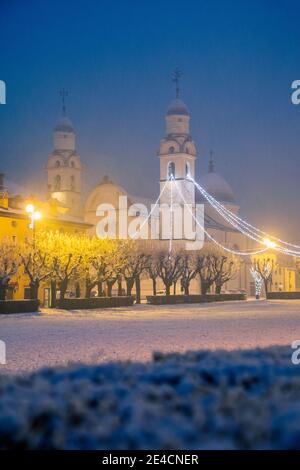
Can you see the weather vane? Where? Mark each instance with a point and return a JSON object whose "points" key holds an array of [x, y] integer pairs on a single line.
{"points": [[63, 93], [175, 78]]}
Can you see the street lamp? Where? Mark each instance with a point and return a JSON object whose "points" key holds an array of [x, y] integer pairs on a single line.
{"points": [[269, 243], [33, 216]]}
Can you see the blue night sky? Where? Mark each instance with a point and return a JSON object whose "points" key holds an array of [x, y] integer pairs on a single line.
{"points": [[116, 57]]}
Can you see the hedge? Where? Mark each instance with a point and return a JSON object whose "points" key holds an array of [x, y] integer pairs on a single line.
{"points": [[283, 295], [95, 302], [18, 306], [192, 299]]}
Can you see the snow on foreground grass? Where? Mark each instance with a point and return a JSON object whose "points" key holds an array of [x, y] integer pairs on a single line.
{"points": [[196, 400]]}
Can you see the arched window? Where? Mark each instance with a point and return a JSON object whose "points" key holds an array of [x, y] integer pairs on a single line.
{"points": [[172, 150], [57, 163], [187, 169], [171, 169], [187, 150], [72, 164], [57, 183], [72, 183]]}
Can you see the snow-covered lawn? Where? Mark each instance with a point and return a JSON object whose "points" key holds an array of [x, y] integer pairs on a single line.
{"points": [[59, 337]]}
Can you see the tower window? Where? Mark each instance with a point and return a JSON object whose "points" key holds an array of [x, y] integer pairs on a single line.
{"points": [[172, 150], [72, 183], [72, 164], [171, 169], [57, 163], [187, 169], [57, 183]]}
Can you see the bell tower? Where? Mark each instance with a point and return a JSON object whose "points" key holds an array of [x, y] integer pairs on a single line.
{"points": [[64, 165], [177, 152]]}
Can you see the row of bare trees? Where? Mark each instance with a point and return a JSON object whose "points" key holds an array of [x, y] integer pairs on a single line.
{"points": [[211, 266], [92, 266]]}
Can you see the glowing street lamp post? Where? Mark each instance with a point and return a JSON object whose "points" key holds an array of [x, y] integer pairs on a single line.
{"points": [[33, 216]]}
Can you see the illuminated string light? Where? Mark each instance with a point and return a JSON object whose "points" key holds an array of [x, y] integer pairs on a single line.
{"points": [[225, 248], [171, 215], [244, 227], [152, 210], [259, 279]]}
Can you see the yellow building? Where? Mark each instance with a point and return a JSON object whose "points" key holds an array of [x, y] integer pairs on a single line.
{"points": [[283, 271], [15, 225]]}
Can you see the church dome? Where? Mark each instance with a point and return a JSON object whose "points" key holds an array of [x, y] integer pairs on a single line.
{"points": [[64, 125], [177, 107], [217, 187]]}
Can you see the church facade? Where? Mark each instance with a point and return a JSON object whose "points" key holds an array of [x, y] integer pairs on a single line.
{"points": [[177, 156]]}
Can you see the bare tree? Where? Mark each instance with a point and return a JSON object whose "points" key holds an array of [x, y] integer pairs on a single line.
{"points": [[264, 267], [8, 265], [135, 265], [225, 268], [65, 270], [189, 271], [204, 266], [152, 270], [37, 266], [169, 268]]}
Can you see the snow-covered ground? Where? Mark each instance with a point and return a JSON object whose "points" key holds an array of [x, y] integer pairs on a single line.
{"points": [[59, 337]]}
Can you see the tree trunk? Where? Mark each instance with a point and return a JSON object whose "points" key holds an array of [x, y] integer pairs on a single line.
{"points": [[63, 289], [34, 289], [3, 291], [266, 282], [77, 290], [186, 288], [129, 285], [154, 286], [53, 294], [174, 288], [88, 288], [120, 290], [218, 288], [110, 284], [168, 287], [100, 288], [204, 287], [138, 289]]}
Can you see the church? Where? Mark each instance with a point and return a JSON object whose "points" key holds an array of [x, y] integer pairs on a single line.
{"points": [[177, 157]]}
